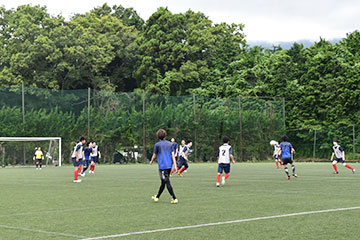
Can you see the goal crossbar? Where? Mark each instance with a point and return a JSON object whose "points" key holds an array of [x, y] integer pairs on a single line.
{"points": [[25, 139]]}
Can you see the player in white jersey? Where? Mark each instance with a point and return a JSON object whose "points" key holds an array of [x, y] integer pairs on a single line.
{"points": [[276, 154], [339, 153], [95, 155], [77, 157], [225, 153]]}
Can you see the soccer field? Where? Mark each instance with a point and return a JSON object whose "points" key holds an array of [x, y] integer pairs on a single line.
{"points": [[117, 200]]}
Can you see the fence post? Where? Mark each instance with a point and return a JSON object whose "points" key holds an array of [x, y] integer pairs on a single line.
{"points": [[144, 127], [314, 150], [23, 116], [195, 133], [89, 92], [354, 142], [241, 133]]}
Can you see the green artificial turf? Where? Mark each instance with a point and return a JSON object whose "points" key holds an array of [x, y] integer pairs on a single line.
{"points": [[117, 199]]}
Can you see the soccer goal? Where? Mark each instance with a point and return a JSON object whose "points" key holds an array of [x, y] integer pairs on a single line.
{"points": [[21, 150]]}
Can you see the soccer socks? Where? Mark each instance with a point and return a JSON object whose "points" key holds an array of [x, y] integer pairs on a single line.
{"points": [[293, 169], [218, 178], [348, 166], [84, 169], [92, 167], [183, 169], [227, 175], [277, 164], [287, 171], [335, 167], [76, 173], [79, 169]]}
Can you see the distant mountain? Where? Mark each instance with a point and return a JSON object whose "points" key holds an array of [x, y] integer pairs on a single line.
{"points": [[287, 45]]}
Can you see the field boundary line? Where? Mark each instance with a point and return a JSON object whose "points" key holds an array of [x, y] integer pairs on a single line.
{"points": [[41, 231], [222, 223]]}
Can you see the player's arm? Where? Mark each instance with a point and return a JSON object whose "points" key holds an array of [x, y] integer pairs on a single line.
{"points": [[343, 155], [232, 158], [332, 157], [77, 156], [174, 161], [42, 155], [293, 150], [153, 158]]}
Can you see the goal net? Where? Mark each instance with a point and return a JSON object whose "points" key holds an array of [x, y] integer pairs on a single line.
{"points": [[20, 150]]}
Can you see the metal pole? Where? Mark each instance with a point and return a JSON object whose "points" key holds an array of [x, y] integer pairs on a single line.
{"points": [[195, 133], [354, 142], [314, 150], [144, 127], [241, 133], [89, 92], [23, 115]]}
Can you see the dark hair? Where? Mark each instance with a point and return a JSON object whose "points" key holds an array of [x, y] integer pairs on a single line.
{"points": [[161, 134], [172, 139], [285, 138], [226, 139], [88, 143], [82, 139], [336, 140], [188, 141]]}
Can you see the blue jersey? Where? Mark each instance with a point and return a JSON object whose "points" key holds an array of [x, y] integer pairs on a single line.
{"points": [[163, 150], [286, 149], [87, 152], [175, 146]]}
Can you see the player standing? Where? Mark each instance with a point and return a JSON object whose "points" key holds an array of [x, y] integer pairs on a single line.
{"points": [[38, 156], [339, 152], [286, 150], [95, 155], [163, 151], [86, 153], [224, 154], [77, 158], [175, 147]]}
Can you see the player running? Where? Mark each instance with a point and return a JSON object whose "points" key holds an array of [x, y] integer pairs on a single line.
{"points": [[276, 155], [224, 154], [77, 158], [95, 155], [184, 159], [286, 150], [163, 151], [339, 152], [38, 157], [86, 153]]}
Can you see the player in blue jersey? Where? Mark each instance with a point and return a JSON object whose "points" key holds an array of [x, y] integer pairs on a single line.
{"points": [[77, 158], [163, 151], [286, 150], [86, 153], [175, 147]]}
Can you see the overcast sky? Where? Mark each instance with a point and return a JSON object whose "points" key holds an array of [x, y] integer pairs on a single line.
{"points": [[265, 20]]}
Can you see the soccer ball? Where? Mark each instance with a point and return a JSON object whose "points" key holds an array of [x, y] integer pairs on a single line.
{"points": [[273, 142]]}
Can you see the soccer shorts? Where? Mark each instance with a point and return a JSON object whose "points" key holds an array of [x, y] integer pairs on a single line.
{"points": [[224, 167], [164, 174], [95, 159], [340, 160], [183, 162], [287, 160], [39, 160], [276, 157], [86, 162], [76, 164]]}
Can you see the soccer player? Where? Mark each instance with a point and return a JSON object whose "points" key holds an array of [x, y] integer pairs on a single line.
{"points": [[95, 155], [163, 151], [276, 155], [339, 152], [286, 150], [184, 160], [77, 158], [175, 147], [224, 154], [86, 153], [38, 157]]}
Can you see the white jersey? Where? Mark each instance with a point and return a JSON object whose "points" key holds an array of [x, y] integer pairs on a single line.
{"points": [[276, 149], [339, 151], [95, 151], [181, 148], [224, 153], [79, 149]]}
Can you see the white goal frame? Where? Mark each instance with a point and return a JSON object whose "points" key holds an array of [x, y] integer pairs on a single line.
{"points": [[27, 139]]}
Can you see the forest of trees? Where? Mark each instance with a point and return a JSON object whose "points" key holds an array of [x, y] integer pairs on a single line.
{"points": [[112, 49]]}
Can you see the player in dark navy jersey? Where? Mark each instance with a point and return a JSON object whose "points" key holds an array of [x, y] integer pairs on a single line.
{"points": [[163, 151], [86, 153], [286, 150]]}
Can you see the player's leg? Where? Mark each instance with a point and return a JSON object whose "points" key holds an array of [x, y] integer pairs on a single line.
{"points": [[37, 164], [80, 165], [293, 169], [168, 185], [227, 173], [348, 166], [85, 167], [40, 164], [182, 163], [162, 186], [335, 167], [76, 171], [186, 166], [218, 177], [276, 161], [285, 162]]}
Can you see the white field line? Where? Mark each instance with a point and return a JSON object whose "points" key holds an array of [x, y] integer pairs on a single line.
{"points": [[221, 223], [41, 231]]}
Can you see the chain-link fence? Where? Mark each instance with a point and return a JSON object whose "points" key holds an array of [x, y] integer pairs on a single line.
{"points": [[124, 124]]}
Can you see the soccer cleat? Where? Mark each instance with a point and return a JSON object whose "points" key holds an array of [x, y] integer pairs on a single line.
{"points": [[174, 201], [40, 168], [288, 177], [353, 170], [77, 181], [155, 198], [180, 174], [223, 181], [295, 175], [336, 173], [37, 169], [218, 184], [82, 174]]}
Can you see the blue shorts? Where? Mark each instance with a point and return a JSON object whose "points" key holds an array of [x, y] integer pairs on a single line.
{"points": [[224, 167], [95, 159], [86, 162], [76, 164], [340, 160], [182, 162]]}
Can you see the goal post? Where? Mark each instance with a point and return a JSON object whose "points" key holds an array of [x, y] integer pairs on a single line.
{"points": [[48, 155]]}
